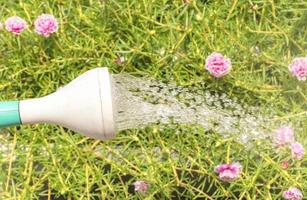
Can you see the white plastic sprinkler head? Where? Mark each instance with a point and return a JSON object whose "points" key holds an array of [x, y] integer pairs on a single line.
{"points": [[85, 105]]}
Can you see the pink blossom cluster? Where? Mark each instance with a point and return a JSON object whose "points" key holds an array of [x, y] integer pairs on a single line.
{"points": [[44, 25], [298, 68], [285, 136], [218, 66], [228, 172]]}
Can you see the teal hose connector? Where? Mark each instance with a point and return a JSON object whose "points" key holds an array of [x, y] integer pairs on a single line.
{"points": [[84, 105], [9, 114]]}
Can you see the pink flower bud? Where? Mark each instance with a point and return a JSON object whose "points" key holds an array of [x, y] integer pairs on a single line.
{"points": [[285, 164]]}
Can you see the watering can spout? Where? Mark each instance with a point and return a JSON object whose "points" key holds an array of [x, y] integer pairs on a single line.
{"points": [[85, 105]]}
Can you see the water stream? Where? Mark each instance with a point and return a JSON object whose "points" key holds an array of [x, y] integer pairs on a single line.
{"points": [[141, 102]]}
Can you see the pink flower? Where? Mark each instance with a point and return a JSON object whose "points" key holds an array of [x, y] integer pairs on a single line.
{"points": [[298, 68], [297, 151], [15, 25], [46, 24], [293, 194], [284, 135], [228, 172], [140, 186], [218, 65]]}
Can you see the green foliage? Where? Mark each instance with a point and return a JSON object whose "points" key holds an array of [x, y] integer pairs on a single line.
{"points": [[168, 40]]}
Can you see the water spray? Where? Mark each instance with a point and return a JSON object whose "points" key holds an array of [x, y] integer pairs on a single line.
{"points": [[85, 105]]}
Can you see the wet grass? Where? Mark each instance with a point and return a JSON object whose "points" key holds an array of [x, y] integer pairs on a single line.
{"points": [[167, 40]]}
